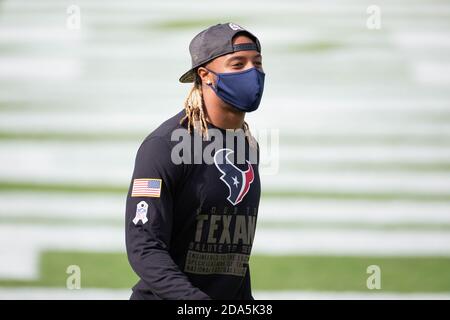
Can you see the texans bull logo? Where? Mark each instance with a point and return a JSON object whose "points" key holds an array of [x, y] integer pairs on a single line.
{"points": [[237, 180]]}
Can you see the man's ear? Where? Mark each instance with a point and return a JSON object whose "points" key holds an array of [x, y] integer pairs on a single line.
{"points": [[204, 75]]}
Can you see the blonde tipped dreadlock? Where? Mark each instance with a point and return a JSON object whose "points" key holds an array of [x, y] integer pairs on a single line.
{"points": [[193, 106], [195, 115]]}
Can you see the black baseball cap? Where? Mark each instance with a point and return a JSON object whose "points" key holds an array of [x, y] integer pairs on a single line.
{"points": [[214, 42]]}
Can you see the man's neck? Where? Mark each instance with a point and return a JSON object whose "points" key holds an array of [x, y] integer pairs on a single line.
{"points": [[225, 118]]}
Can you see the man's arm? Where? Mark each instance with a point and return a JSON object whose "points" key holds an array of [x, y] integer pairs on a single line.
{"points": [[149, 218]]}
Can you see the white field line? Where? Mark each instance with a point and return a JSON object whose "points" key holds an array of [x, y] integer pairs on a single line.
{"points": [[176, 6], [76, 122], [352, 242], [21, 244], [428, 40], [100, 206], [431, 72], [353, 211], [32, 34], [48, 205], [320, 8], [381, 153], [124, 294], [121, 152], [359, 182], [93, 121], [12, 68], [313, 113], [110, 163]]}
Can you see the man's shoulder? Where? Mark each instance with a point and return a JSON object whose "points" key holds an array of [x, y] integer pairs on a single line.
{"points": [[157, 146], [165, 129]]}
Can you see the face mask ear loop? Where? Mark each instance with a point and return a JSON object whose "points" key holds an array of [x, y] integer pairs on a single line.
{"points": [[210, 84]]}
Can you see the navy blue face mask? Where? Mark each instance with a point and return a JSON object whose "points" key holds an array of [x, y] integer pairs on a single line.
{"points": [[242, 90]]}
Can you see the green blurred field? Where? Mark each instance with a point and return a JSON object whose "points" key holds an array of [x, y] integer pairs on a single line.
{"points": [[310, 273]]}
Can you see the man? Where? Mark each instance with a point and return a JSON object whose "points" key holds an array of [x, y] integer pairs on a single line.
{"points": [[190, 225]]}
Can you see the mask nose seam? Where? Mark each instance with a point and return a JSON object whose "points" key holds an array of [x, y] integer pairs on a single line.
{"points": [[237, 72]]}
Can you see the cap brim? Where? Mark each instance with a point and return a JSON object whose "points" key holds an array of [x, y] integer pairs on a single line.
{"points": [[188, 76]]}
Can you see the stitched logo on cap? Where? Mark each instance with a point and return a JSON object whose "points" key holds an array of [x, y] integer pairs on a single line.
{"points": [[235, 26]]}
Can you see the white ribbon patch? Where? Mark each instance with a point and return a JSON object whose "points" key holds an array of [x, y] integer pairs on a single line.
{"points": [[141, 212]]}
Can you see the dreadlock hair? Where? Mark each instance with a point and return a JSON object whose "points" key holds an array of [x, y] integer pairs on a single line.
{"points": [[194, 107], [195, 114]]}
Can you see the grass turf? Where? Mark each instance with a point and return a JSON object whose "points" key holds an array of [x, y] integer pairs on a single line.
{"points": [[318, 273]]}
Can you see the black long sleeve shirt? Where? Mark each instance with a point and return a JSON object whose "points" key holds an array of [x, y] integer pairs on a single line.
{"points": [[190, 227]]}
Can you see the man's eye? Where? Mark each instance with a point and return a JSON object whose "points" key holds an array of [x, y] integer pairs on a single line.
{"points": [[237, 65]]}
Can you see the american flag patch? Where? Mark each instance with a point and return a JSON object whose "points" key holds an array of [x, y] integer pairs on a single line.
{"points": [[146, 188]]}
